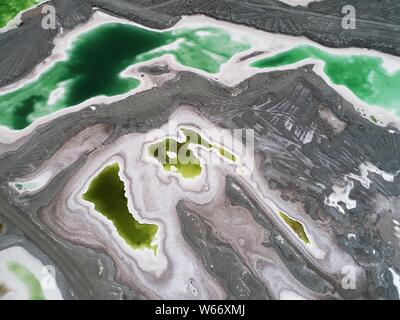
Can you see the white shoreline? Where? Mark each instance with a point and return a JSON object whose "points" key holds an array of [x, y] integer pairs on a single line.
{"points": [[153, 194]]}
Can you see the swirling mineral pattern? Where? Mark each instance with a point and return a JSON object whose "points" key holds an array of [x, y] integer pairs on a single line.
{"points": [[199, 150]]}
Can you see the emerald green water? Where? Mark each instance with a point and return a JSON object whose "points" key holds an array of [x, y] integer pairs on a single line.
{"points": [[184, 161], [28, 278], [97, 58], [107, 193], [10, 8], [364, 75]]}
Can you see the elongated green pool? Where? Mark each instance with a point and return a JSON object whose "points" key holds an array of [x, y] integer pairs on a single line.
{"points": [[296, 226], [28, 278], [107, 193], [10, 8], [177, 156], [364, 75], [97, 58]]}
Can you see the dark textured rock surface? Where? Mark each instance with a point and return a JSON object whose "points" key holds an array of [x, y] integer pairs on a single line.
{"points": [[303, 271], [220, 258]]}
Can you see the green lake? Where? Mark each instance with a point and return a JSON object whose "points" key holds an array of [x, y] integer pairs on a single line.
{"points": [[96, 59], [364, 75], [107, 193]]}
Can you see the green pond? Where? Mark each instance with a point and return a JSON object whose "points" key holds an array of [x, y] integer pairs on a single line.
{"points": [[96, 59], [364, 75], [28, 278], [296, 226], [107, 193], [175, 155], [10, 8]]}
